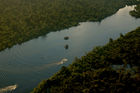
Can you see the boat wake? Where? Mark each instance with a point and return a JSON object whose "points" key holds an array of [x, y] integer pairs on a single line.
{"points": [[8, 88], [62, 61]]}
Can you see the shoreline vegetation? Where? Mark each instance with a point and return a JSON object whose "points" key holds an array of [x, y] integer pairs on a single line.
{"points": [[112, 68], [23, 20], [136, 12]]}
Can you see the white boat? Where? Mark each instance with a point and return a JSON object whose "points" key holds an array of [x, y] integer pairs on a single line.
{"points": [[62, 61]]}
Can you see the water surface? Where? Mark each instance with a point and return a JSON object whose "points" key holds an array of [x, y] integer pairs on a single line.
{"points": [[27, 64]]}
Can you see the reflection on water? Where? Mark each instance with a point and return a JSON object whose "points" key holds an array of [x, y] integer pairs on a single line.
{"points": [[66, 46], [37, 59]]}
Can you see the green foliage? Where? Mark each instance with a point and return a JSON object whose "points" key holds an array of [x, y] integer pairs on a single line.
{"points": [[136, 12], [95, 72], [22, 20]]}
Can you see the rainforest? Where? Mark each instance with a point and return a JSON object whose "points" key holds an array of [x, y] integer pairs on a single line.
{"points": [[22, 20], [69, 46]]}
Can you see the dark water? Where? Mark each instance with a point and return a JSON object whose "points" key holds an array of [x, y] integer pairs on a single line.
{"points": [[27, 64]]}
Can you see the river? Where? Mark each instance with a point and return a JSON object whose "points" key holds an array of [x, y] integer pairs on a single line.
{"points": [[25, 65]]}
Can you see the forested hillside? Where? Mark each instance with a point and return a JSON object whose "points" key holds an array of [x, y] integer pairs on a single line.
{"points": [[113, 68], [22, 20]]}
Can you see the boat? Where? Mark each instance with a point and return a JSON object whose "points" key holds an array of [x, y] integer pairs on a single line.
{"points": [[62, 61], [66, 38]]}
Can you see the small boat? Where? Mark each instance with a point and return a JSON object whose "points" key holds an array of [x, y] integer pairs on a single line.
{"points": [[66, 38], [62, 61]]}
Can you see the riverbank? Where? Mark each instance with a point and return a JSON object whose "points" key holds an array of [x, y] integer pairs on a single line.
{"points": [[94, 73], [25, 20]]}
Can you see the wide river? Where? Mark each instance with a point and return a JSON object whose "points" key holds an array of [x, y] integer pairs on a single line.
{"points": [[27, 64]]}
